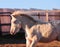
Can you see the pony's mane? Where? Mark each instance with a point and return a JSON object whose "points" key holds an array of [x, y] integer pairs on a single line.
{"points": [[17, 13], [22, 13]]}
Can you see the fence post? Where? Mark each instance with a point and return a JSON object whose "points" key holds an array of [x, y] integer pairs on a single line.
{"points": [[38, 15], [46, 15]]}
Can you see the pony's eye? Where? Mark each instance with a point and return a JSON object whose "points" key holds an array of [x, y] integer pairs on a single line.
{"points": [[17, 22]]}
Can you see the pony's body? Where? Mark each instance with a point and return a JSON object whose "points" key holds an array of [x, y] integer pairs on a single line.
{"points": [[35, 30]]}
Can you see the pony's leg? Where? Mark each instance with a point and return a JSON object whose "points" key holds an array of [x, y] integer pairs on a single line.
{"points": [[33, 43], [27, 43]]}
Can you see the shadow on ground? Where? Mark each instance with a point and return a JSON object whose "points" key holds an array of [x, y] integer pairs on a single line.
{"points": [[13, 39], [18, 40]]}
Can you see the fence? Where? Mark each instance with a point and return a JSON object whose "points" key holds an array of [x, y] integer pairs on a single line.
{"points": [[5, 22]]}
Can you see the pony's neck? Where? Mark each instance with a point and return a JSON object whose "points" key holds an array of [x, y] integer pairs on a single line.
{"points": [[27, 21]]}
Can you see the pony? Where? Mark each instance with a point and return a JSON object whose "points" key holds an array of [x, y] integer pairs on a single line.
{"points": [[34, 30]]}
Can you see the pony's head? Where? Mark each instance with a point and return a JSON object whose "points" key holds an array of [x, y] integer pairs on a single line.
{"points": [[15, 22], [20, 18]]}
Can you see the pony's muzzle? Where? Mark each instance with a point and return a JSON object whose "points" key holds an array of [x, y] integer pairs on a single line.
{"points": [[11, 32]]}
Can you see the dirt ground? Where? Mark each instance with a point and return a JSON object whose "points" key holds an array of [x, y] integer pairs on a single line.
{"points": [[19, 41], [52, 44]]}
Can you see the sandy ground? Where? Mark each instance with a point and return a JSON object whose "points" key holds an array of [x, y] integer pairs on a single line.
{"points": [[19, 41]]}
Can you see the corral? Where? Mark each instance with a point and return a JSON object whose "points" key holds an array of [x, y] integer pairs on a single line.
{"points": [[15, 40]]}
